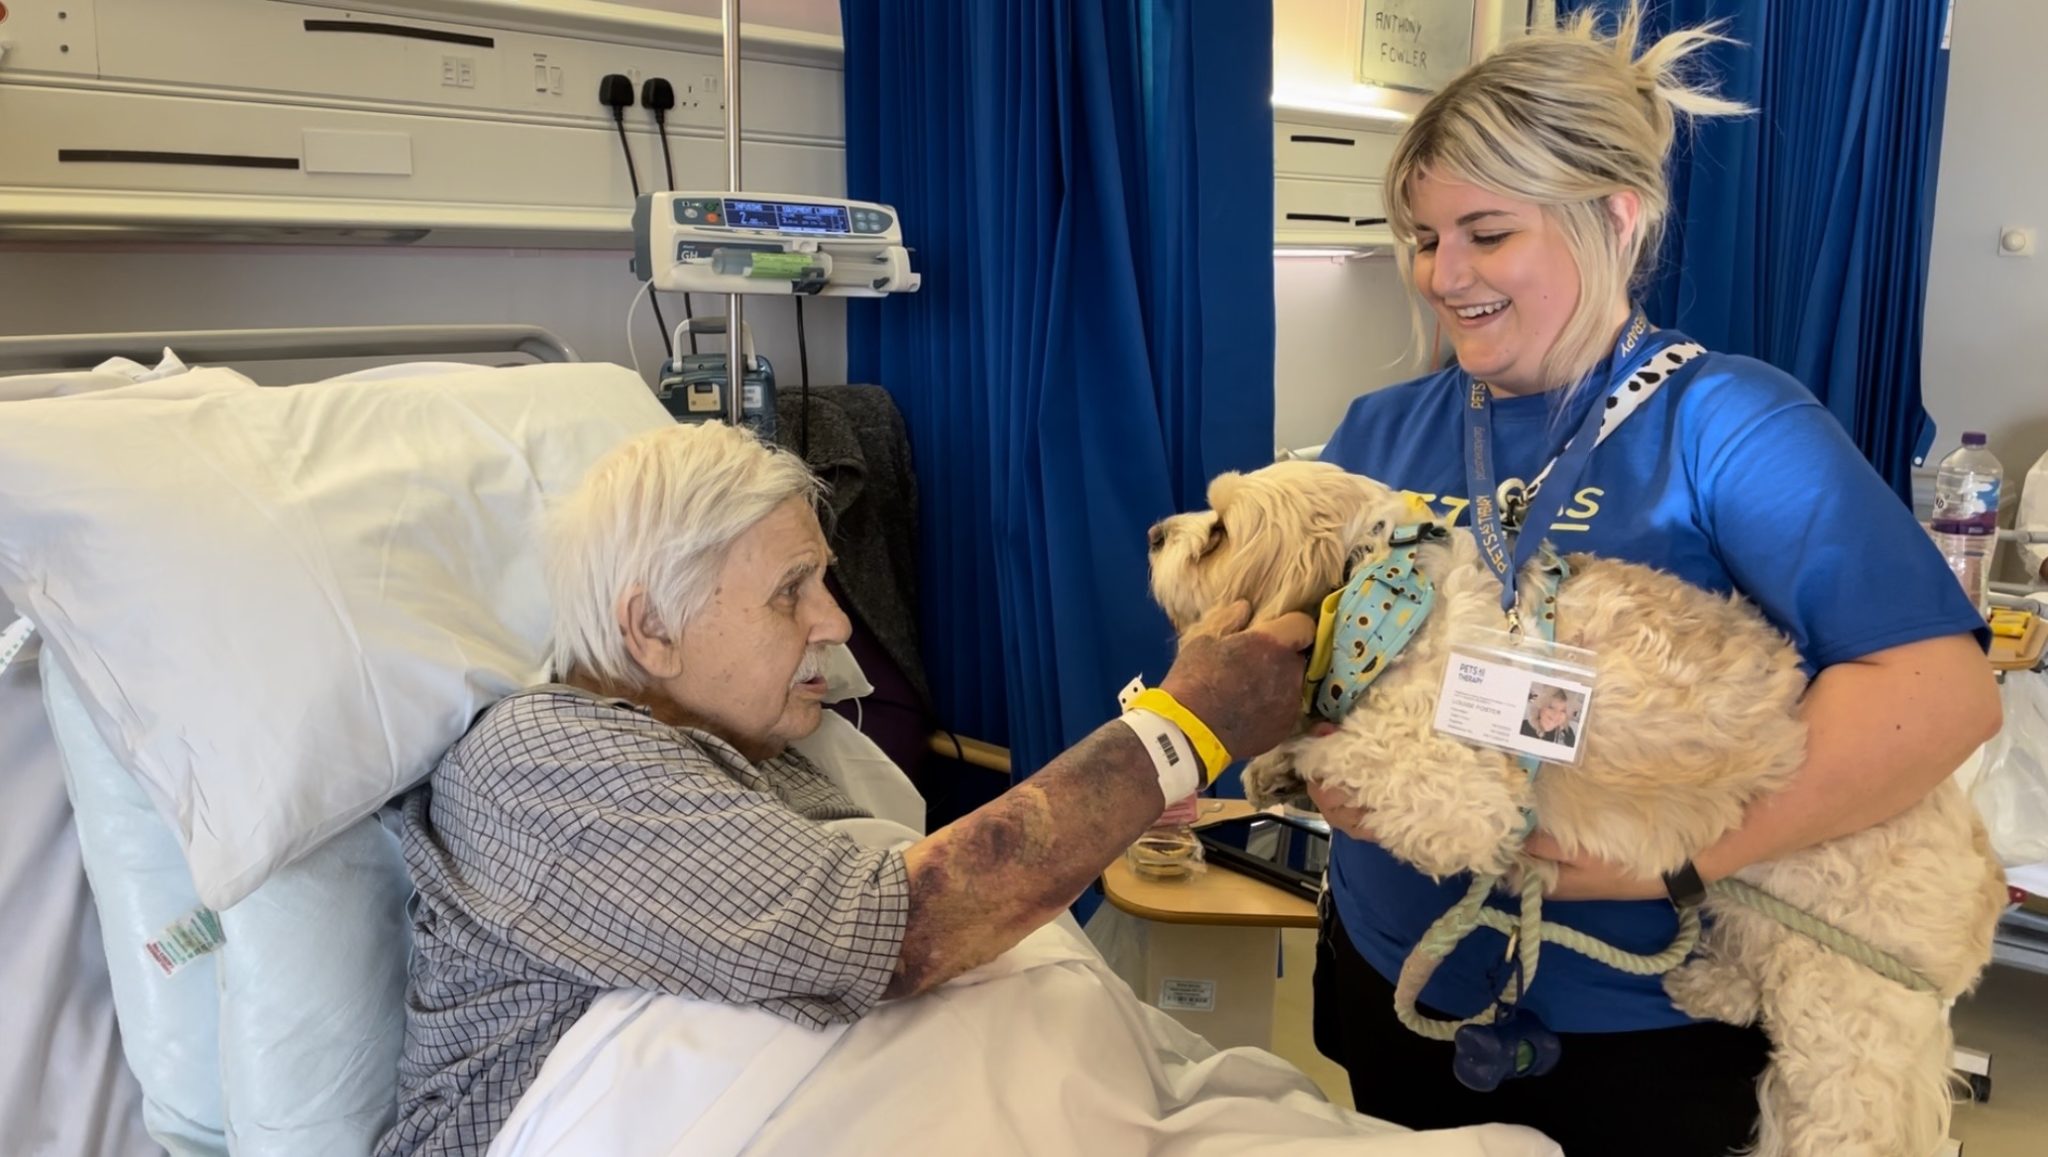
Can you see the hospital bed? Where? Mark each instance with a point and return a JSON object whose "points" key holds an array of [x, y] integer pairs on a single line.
{"points": [[334, 914], [69, 1084], [65, 1088]]}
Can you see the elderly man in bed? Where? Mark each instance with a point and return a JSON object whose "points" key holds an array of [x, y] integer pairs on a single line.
{"points": [[643, 824]]}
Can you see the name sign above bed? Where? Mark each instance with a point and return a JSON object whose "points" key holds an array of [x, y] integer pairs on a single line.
{"points": [[1418, 45]]}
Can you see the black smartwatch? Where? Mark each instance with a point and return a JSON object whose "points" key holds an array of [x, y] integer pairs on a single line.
{"points": [[1685, 887]]}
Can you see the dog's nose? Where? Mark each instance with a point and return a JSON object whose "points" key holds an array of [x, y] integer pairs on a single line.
{"points": [[1156, 537]]}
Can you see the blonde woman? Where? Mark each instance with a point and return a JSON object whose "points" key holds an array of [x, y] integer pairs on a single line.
{"points": [[1529, 197], [1550, 716]]}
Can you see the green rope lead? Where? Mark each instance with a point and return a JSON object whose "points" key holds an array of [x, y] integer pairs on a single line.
{"points": [[1528, 932], [1827, 935]]}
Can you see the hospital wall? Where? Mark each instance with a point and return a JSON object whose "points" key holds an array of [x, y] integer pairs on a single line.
{"points": [[1982, 367], [820, 16], [580, 295], [1343, 326], [1342, 329]]}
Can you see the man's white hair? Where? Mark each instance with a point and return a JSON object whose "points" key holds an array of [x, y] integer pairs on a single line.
{"points": [[656, 515]]}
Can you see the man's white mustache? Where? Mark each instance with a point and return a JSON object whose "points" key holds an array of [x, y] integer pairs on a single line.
{"points": [[812, 666]]}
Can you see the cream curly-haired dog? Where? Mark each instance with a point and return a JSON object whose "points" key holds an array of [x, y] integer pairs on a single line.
{"points": [[1694, 715]]}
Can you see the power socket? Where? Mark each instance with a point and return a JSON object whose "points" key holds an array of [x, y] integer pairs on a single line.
{"points": [[698, 93]]}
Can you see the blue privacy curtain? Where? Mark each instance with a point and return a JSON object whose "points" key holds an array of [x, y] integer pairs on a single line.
{"points": [[1087, 186], [1800, 235]]}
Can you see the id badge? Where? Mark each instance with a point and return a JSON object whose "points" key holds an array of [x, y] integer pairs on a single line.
{"points": [[1520, 695]]}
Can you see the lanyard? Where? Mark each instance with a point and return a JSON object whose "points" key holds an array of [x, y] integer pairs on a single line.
{"points": [[1505, 558]]}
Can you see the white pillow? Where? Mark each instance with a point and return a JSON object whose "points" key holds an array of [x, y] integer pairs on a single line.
{"points": [[169, 1024], [285, 1039], [405, 370], [114, 838], [312, 1000], [64, 1087], [868, 777], [282, 605]]}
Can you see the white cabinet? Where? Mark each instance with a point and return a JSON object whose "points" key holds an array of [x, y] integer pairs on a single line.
{"points": [[1313, 150], [1327, 181]]}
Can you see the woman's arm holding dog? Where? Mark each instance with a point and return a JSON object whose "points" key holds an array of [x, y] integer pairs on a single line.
{"points": [[1882, 732], [980, 885]]}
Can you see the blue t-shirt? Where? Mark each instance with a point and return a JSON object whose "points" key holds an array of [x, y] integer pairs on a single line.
{"points": [[1732, 477]]}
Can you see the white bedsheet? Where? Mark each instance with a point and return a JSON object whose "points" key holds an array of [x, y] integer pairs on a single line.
{"points": [[1043, 1051], [64, 1089]]}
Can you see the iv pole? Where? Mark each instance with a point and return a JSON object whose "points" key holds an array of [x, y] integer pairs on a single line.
{"points": [[735, 365]]}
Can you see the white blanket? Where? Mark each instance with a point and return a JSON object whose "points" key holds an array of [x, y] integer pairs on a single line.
{"points": [[1044, 1051]]}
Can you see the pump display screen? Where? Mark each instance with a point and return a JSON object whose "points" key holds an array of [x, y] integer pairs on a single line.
{"points": [[786, 216]]}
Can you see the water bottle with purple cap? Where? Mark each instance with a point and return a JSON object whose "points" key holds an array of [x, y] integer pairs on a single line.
{"points": [[1965, 526]]}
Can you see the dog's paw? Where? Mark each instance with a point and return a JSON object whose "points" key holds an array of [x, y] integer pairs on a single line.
{"points": [[1273, 778], [1712, 989]]}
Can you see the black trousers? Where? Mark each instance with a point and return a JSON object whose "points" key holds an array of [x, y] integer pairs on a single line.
{"points": [[1688, 1091]]}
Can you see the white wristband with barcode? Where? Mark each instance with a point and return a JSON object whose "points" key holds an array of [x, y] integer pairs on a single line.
{"points": [[1173, 757]]}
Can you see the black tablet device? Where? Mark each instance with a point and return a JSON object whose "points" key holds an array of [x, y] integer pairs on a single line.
{"points": [[1285, 852]]}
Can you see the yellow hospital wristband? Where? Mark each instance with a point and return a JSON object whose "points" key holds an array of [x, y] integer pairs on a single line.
{"points": [[1214, 757]]}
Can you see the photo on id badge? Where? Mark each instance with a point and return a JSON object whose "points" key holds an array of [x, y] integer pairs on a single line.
{"points": [[1495, 696], [1553, 717]]}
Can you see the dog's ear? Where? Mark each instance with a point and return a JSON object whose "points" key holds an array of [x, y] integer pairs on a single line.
{"points": [[1357, 557], [1223, 487], [1376, 510], [1365, 535]]}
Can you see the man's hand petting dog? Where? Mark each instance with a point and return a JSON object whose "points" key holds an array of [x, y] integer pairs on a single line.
{"points": [[1244, 683]]}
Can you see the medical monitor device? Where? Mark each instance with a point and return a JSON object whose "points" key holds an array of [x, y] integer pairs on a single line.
{"points": [[688, 242]]}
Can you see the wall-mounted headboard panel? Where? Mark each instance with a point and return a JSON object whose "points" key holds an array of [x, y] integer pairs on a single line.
{"points": [[468, 122]]}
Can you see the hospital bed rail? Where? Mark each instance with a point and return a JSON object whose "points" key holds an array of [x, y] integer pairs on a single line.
{"points": [[78, 351], [972, 752]]}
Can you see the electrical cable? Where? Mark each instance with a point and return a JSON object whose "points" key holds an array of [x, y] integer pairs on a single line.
{"points": [[615, 92], [632, 350], [803, 362]]}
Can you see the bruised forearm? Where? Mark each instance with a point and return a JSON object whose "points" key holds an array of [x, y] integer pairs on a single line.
{"points": [[983, 883]]}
